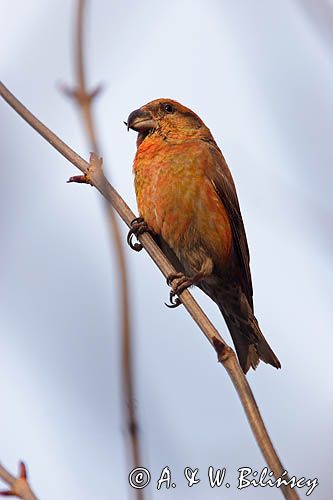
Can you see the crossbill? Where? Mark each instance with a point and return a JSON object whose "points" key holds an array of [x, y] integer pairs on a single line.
{"points": [[188, 200]]}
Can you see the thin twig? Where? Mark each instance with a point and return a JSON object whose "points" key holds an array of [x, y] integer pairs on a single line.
{"points": [[19, 487], [225, 354], [84, 99]]}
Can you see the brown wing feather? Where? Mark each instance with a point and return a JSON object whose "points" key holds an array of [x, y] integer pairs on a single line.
{"points": [[225, 187]]}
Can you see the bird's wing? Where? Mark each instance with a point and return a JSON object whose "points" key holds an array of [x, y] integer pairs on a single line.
{"points": [[224, 185]]}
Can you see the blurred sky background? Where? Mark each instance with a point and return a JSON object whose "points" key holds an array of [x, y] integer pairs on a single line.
{"points": [[260, 74]]}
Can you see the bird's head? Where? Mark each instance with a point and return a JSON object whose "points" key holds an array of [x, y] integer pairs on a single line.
{"points": [[166, 118]]}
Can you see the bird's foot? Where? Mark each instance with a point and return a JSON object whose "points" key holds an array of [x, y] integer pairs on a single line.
{"points": [[138, 226], [179, 282]]}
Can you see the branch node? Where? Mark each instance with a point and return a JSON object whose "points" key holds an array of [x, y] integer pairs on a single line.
{"points": [[95, 165], [81, 97], [223, 351], [20, 486]]}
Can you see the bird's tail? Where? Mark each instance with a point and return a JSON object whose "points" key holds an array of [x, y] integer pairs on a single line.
{"points": [[250, 343]]}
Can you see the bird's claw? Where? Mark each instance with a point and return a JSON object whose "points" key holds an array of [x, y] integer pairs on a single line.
{"points": [[174, 300], [138, 226], [182, 283]]}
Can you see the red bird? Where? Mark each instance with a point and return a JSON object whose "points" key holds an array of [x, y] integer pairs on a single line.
{"points": [[187, 199]]}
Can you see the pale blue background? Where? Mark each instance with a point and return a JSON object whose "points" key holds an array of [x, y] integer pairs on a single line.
{"points": [[260, 74]]}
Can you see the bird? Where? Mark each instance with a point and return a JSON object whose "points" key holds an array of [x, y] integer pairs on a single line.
{"points": [[187, 200]]}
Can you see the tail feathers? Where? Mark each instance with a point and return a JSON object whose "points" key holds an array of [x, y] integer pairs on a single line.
{"points": [[246, 352], [262, 347], [251, 345]]}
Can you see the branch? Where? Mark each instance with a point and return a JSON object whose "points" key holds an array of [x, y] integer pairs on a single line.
{"points": [[224, 353], [84, 99], [19, 487], [80, 93]]}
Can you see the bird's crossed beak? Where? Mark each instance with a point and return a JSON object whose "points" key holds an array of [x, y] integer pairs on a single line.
{"points": [[141, 121]]}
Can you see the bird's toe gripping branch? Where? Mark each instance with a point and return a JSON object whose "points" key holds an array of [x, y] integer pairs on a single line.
{"points": [[173, 300], [138, 226], [179, 282]]}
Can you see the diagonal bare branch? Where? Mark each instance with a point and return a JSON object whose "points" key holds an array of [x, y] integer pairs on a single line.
{"points": [[225, 354]]}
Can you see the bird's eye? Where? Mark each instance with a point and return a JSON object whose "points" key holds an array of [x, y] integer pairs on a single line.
{"points": [[168, 108]]}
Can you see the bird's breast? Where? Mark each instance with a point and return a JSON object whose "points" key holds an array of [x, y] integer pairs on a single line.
{"points": [[179, 202]]}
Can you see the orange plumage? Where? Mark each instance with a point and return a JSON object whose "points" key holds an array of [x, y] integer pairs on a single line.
{"points": [[187, 197]]}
